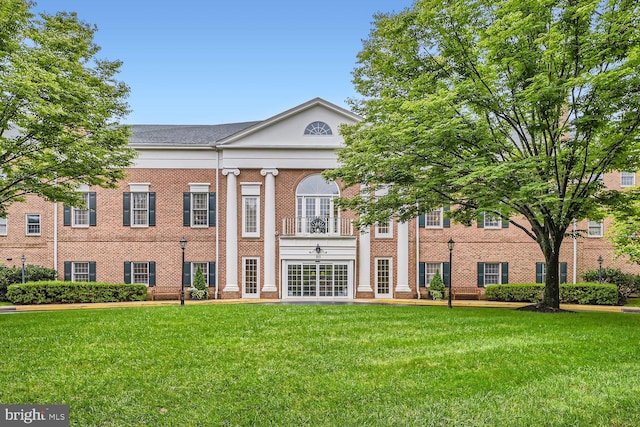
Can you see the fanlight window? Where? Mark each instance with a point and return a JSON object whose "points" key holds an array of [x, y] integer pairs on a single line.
{"points": [[315, 208], [318, 128]]}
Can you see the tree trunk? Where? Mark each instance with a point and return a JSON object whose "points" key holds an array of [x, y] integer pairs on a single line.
{"points": [[551, 297]]}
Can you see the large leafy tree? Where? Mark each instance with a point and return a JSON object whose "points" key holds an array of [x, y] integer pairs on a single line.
{"points": [[511, 107], [60, 108]]}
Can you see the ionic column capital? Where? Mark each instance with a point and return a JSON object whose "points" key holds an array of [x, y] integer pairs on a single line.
{"points": [[226, 172], [272, 171]]}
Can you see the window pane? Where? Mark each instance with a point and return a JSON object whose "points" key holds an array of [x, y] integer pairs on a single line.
{"points": [[33, 224], [627, 179], [491, 221], [433, 219], [140, 273], [251, 276], [595, 229], [80, 272], [430, 270], [200, 209], [3, 226], [81, 216], [383, 276], [203, 267], [140, 212], [250, 214], [491, 274]]}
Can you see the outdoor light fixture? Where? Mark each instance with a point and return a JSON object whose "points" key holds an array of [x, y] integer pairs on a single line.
{"points": [[450, 244], [183, 246], [600, 260], [318, 248], [23, 259]]}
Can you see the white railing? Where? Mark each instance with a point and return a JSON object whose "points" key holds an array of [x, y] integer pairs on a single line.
{"points": [[317, 225]]}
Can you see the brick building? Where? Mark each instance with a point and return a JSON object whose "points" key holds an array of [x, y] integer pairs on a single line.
{"points": [[260, 222]]}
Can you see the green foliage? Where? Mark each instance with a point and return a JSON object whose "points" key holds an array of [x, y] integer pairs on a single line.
{"points": [[627, 283], [625, 229], [74, 292], [33, 273], [580, 293], [507, 107], [436, 287], [60, 108], [199, 289]]}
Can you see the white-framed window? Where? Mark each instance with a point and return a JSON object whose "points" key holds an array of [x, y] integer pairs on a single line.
{"points": [[315, 207], [3, 226], [250, 275], [627, 179], [80, 272], [492, 273], [204, 267], [250, 216], [384, 229], [139, 209], [434, 218], [80, 216], [140, 273], [492, 221], [596, 229], [430, 270], [318, 128], [33, 224], [383, 276], [199, 209]]}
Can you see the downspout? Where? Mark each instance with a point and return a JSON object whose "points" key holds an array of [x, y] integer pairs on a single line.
{"points": [[575, 252], [418, 258], [217, 220], [55, 237]]}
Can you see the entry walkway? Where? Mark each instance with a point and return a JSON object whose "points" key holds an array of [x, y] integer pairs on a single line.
{"points": [[416, 302]]}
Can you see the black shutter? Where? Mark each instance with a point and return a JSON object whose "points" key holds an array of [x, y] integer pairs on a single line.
{"points": [[481, 274], [186, 209], [446, 222], [212, 209], [422, 279], [505, 273], [186, 276], [92, 208], [539, 269], [446, 273], [212, 274], [127, 272], [505, 223], [67, 271], [126, 209], [152, 273], [92, 271], [421, 220], [563, 272], [481, 223], [67, 216], [152, 209]]}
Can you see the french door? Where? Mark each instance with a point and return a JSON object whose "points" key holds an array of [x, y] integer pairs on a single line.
{"points": [[317, 280]]}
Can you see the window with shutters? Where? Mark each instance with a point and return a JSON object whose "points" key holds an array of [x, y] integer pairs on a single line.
{"points": [[203, 268], [433, 219], [491, 274], [199, 209], [80, 216], [139, 209], [79, 271], [430, 270], [140, 273], [492, 221]]}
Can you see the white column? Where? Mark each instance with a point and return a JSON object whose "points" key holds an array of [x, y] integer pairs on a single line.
{"points": [[269, 229], [403, 258], [231, 284], [364, 262]]}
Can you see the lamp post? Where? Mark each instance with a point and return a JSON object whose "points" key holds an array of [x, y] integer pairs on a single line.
{"points": [[183, 246], [600, 269], [23, 259], [450, 243]]}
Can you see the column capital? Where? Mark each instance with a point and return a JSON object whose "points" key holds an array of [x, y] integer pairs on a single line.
{"points": [[272, 171], [235, 172]]}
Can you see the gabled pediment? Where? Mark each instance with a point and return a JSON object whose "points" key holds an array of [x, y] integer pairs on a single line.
{"points": [[287, 129]]}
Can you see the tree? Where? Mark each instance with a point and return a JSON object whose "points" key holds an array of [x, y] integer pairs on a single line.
{"points": [[625, 229], [60, 108], [515, 108]]}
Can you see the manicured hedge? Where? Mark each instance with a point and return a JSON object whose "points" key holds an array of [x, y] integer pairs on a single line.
{"points": [[74, 292], [580, 293]]}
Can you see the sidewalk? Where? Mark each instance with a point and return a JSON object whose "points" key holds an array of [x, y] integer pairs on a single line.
{"points": [[420, 302]]}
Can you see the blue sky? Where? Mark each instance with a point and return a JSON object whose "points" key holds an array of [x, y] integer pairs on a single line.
{"points": [[213, 62]]}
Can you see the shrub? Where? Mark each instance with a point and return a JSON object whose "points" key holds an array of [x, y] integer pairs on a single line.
{"points": [[581, 293], [436, 287], [627, 283], [33, 273], [74, 292], [199, 289]]}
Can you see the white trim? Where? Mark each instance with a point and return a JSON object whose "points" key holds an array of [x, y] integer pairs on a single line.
{"points": [[26, 224], [199, 187], [246, 233], [383, 235], [250, 188], [6, 226], [440, 219], [589, 229], [139, 187]]}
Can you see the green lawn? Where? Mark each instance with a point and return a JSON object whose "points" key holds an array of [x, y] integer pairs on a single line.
{"points": [[633, 302], [335, 365]]}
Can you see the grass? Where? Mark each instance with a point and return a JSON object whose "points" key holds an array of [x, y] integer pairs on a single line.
{"points": [[633, 302], [286, 365]]}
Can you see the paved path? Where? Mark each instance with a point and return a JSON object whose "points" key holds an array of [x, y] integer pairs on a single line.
{"points": [[422, 302]]}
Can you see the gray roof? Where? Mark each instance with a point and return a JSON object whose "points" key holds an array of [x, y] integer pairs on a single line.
{"points": [[190, 135]]}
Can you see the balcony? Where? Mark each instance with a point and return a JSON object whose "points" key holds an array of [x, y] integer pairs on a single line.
{"points": [[317, 226]]}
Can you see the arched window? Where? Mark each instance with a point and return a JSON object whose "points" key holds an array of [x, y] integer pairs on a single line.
{"points": [[316, 210], [318, 128]]}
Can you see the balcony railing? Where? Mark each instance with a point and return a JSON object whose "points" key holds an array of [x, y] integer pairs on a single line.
{"points": [[317, 225]]}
